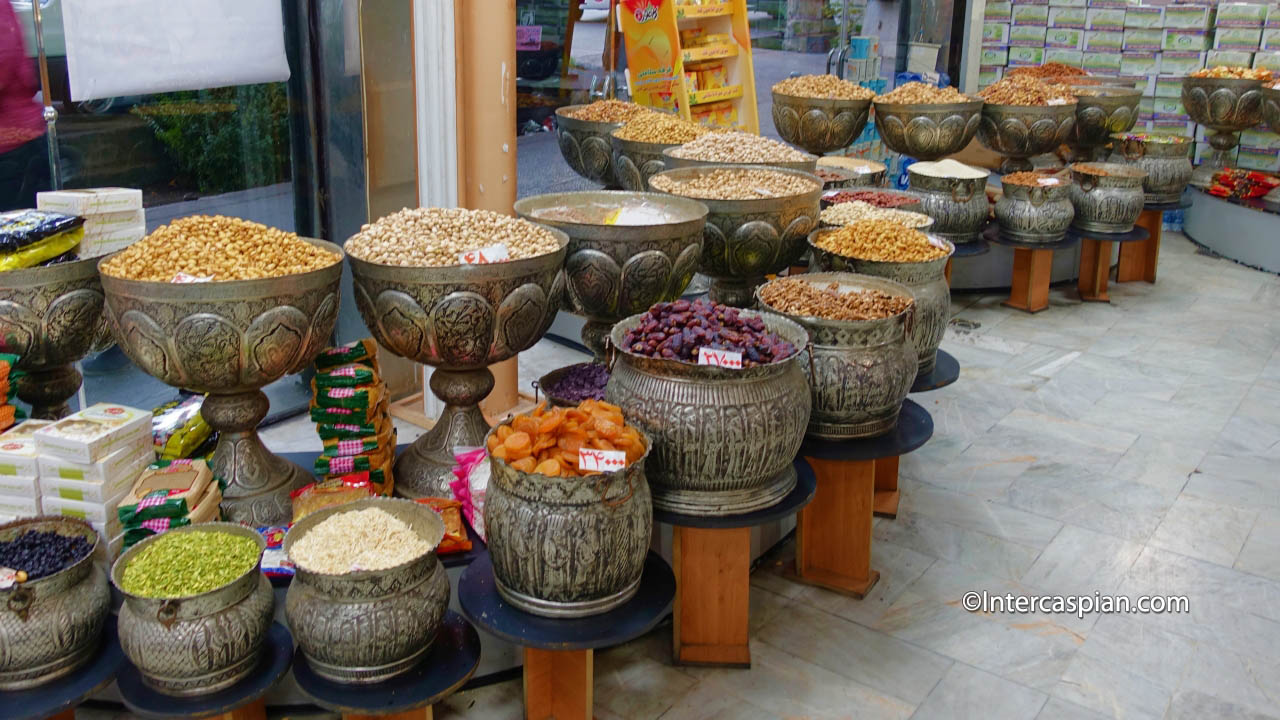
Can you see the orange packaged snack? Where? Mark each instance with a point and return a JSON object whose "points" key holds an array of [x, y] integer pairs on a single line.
{"points": [[455, 533], [547, 441]]}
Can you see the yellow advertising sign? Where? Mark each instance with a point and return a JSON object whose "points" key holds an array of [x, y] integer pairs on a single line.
{"points": [[649, 29]]}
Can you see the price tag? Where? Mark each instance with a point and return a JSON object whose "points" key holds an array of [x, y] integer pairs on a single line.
{"points": [[183, 278], [485, 255], [602, 460], [528, 37], [10, 577], [720, 358]]}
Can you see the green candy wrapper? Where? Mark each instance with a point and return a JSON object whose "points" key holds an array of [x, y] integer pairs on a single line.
{"points": [[350, 398], [349, 375], [361, 351]]}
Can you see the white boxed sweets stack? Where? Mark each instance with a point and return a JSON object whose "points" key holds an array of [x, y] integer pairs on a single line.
{"points": [[20, 471], [113, 217]]}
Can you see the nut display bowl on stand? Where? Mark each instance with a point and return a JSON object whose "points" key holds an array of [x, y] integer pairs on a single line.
{"points": [[585, 145], [1226, 106], [634, 162], [673, 161], [1166, 160], [459, 319], [927, 132], [744, 240], [1020, 132], [1101, 111], [49, 317], [231, 339], [1271, 114], [819, 125], [613, 271]]}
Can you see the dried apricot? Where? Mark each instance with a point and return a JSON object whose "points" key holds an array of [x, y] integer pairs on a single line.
{"points": [[547, 440]]}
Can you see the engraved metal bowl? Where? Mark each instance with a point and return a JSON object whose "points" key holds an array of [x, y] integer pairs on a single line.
{"points": [[459, 319], [1020, 132], [927, 282], [49, 317], [369, 626], [568, 546], [51, 626], [585, 145], [722, 439], [958, 206], [1099, 113], [927, 132], [634, 162], [1109, 203], [861, 370], [1035, 214], [819, 125], [1271, 108], [673, 161], [1167, 164], [197, 644], [230, 339], [546, 383], [1226, 106], [744, 240], [613, 271]]}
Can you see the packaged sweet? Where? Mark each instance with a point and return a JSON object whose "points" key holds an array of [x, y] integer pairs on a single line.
{"points": [[455, 533], [346, 431], [95, 432], [328, 493], [471, 484], [361, 351], [30, 253], [21, 228], [8, 416], [165, 489], [275, 562], [93, 482], [349, 375], [178, 429], [206, 510], [379, 478], [7, 363], [350, 398], [381, 458], [348, 416], [335, 447]]}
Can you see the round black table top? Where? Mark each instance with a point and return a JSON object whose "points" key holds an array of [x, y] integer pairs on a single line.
{"points": [[145, 702], [481, 603], [971, 248], [993, 234], [1137, 234], [1179, 204], [946, 370], [70, 690], [914, 429], [806, 486], [447, 666]]}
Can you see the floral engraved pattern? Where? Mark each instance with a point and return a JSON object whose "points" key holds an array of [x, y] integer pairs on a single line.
{"points": [[463, 328], [927, 135]]}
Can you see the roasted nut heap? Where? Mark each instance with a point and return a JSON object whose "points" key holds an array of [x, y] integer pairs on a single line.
{"points": [[738, 147], [872, 197], [1049, 69], [918, 93], [1032, 178], [879, 241], [1023, 90], [828, 87], [433, 237], [656, 127], [858, 165], [1233, 71], [848, 213], [736, 184], [799, 296], [217, 247], [608, 111]]}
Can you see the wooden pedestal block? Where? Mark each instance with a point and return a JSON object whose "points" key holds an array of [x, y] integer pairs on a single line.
{"points": [[1138, 260], [1095, 269], [886, 500], [713, 584], [558, 684], [257, 710], [1029, 290], [833, 534], [418, 714]]}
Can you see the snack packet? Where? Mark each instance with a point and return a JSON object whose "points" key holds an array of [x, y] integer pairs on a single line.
{"points": [[275, 561], [166, 489], [471, 484], [349, 375], [351, 398], [334, 447], [379, 458], [346, 431], [327, 493], [361, 351], [178, 429], [23, 228], [455, 533], [334, 415], [380, 478]]}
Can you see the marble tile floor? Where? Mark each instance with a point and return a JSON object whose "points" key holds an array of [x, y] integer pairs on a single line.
{"points": [[1129, 449]]}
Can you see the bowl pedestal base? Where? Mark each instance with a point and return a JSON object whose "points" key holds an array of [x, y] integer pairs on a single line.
{"points": [[258, 482], [48, 390], [735, 292], [426, 467]]}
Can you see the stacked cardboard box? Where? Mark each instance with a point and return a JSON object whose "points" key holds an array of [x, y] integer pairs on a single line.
{"points": [[20, 472], [114, 218]]}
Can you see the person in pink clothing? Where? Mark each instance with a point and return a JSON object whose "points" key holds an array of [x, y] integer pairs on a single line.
{"points": [[24, 155]]}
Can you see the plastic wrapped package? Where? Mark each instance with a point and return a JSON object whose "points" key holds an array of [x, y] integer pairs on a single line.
{"points": [[380, 458], [327, 493], [336, 447], [275, 561], [166, 489], [455, 532], [379, 478], [178, 429], [363, 351], [470, 485], [30, 237], [349, 375], [364, 397]]}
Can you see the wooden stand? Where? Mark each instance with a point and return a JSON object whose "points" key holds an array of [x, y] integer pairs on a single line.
{"points": [[1138, 260], [1095, 260], [856, 479], [1032, 267], [558, 684], [713, 577]]}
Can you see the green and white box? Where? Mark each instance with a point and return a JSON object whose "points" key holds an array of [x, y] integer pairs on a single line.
{"points": [[1232, 58], [1237, 38], [1265, 159], [998, 12], [1171, 108], [1260, 138], [1067, 17], [1241, 15], [1074, 58], [1270, 40], [1104, 19], [1027, 35], [1268, 60], [1176, 40], [1026, 56], [1107, 63], [1146, 84], [1139, 63], [1065, 38], [1067, 3], [1030, 14], [1146, 108], [1181, 63], [988, 75], [1273, 15], [1168, 86], [995, 33], [1103, 41], [993, 56], [1143, 39], [1187, 17], [1144, 16]]}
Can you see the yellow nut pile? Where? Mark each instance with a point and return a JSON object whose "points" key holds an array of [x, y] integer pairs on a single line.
{"points": [[736, 184], [848, 213], [1024, 90], [827, 87], [879, 241], [608, 111], [918, 93], [1235, 72], [656, 127], [434, 237], [217, 248], [800, 296], [739, 147]]}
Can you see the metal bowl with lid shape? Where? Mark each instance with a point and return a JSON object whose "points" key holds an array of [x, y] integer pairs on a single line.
{"points": [[927, 132], [958, 205], [1036, 213], [1226, 106], [1166, 160], [1100, 112], [1020, 132], [635, 161], [1108, 197], [819, 125], [585, 145]]}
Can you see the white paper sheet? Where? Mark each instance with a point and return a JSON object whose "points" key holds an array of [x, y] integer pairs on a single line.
{"points": [[139, 47]]}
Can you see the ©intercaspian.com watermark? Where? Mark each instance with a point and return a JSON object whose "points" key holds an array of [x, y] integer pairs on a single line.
{"points": [[1078, 605]]}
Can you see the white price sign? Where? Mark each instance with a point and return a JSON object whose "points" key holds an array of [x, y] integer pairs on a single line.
{"points": [[601, 460], [720, 358], [485, 255]]}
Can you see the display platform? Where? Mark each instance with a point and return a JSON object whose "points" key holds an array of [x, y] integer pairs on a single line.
{"points": [[1032, 271], [1095, 259], [1240, 230], [946, 370], [59, 698]]}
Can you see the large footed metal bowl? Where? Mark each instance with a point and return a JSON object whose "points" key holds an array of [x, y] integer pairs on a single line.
{"points": [[1226, 106], [673, 161], [585, 145], [1271, 108], [459, 319], [744, 240], [819, 125], [927, 132], [634, 162], [613, 271], [1020, 132], [49, 317], [1101, 111], [230, 339]]}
